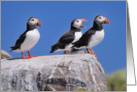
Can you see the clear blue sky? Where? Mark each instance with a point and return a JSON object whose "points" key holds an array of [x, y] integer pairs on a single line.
{"points": [[56, 18]]}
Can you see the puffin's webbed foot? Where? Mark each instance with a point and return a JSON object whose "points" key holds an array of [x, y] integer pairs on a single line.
{"points": [[30, 55], [93, 54], [25, 57]]}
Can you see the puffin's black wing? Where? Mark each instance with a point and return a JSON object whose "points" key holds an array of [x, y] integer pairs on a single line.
{"points": [[67, 38], [19, 41], [84, 40]]}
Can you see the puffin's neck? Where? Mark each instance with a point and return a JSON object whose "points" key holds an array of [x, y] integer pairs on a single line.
{"points": [[30, 27], [74, 28], [97, 26]]}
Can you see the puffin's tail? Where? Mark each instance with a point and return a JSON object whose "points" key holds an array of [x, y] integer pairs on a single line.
{"points": [[12, 48], [52, 50], [56, 47]]}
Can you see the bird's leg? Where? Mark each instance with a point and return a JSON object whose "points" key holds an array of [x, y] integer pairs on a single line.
{"points": [[87, 50], [30, 55], [69, 52], [65, 52], [93, 54], [23, 56]]}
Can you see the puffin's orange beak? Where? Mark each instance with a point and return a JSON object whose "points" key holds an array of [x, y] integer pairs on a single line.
{"points": [[38, 24], [83, 20], [106, 21]]}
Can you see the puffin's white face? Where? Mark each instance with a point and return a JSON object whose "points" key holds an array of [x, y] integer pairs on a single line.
{"points": [[78, 23], [102, 20], [34, 21]]}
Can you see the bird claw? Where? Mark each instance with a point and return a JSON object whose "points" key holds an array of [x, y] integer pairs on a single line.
{"points": [[25, 57]]}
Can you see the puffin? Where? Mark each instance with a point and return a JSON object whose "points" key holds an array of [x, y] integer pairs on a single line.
{"points": [[29, 38], [66, 40], [93, 36]]}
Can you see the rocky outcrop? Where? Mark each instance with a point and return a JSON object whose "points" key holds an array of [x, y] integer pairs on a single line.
{"points": [[53, 73], [5, 54]]}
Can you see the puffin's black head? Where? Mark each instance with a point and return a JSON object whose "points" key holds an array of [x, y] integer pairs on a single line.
{"points": [[34, 22], [102, 20], [77, 23]]}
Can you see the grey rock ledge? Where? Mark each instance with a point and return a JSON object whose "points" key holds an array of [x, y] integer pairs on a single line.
{"points": [[53, 73]]}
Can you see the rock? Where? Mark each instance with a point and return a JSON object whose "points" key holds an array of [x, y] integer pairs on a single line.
{"points": [[4, 55], [53, 73]]}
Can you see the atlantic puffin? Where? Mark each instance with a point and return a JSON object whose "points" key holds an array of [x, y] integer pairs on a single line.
{"points": [[93, 36], [29, 38], [73, 35]]}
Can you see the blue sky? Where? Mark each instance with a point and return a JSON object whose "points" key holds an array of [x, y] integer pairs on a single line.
{"points": [[56, 17]]}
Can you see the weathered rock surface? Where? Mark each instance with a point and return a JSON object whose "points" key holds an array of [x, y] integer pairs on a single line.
{"points": [[53, 73], [5, 54]]}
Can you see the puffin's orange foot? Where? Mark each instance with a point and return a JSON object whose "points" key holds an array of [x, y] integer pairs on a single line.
{"points": [[69, 52], [25, 57], [87, 51], [93, 54], [96, 57], [65, 52], [32, 56]]}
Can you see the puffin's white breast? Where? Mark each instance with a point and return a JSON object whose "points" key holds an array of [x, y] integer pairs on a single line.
{"points": [[77, 36], [96, 38], [32, 37]]}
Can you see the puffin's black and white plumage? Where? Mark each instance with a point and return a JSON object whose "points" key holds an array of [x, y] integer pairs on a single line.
{"points": [[73, 35], [93, 36], [29, 38]]}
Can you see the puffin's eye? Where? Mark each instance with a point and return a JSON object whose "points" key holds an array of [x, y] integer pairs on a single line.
{"points": [[77, 20], [32, 19], [99, 17]]}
